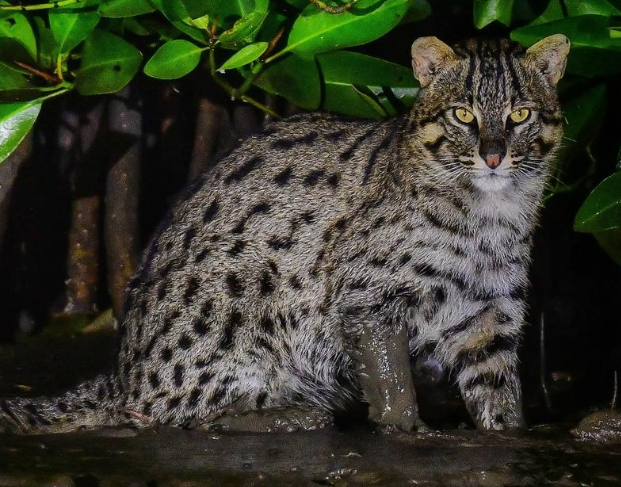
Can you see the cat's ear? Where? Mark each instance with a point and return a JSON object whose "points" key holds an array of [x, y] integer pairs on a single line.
{"points": [[549, 56], [430, 55]]}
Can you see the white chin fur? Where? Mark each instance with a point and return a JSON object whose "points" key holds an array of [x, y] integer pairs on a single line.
{"points": [[491, 183]]}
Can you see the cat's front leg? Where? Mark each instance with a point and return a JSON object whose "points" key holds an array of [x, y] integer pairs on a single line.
{"points": [[493, 400], [380, 351], [482, 350]]}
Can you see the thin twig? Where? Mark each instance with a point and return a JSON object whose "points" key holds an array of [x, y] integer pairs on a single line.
{"points": [[233, 92], [255, 72], [272, 44], [212, 32], [333, 10], [59, 66], [64, 88], [41, 74], [40, 6], [542, 364], [615, 390], [258, 67]]}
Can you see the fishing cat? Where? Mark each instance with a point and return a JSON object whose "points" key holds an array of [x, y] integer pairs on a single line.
{"points": [[303, 271]]}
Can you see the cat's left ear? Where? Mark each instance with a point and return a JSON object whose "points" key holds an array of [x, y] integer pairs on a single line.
{"points": [[549, 56]]}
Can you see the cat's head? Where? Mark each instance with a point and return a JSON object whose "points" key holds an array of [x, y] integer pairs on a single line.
{"points": [[488, 110]]}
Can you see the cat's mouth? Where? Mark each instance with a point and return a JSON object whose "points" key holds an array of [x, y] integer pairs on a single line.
{"points": [[491, 181]]}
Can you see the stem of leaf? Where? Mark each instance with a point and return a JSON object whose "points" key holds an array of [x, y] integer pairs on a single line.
{"points": [[234, 93], [59, 67], [255, 72], [277, 55], [65, 88], [272, 44], [37, 72]]}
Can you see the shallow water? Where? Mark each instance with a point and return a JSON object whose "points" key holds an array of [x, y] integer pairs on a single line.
{"points": [[172, 457]]}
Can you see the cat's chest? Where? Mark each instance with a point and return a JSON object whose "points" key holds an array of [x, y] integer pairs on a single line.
{"points": [[482, 256]]}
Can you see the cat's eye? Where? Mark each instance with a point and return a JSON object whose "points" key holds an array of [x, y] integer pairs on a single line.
{"points": [[518, 116], [463, 115]]}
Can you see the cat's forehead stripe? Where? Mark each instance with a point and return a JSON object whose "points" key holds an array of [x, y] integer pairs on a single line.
{"points": [[492, 69]]}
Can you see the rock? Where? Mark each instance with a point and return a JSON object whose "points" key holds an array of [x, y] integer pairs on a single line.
{"points": [[600, 427]]}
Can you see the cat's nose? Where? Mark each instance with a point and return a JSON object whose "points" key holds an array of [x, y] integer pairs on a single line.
{"points": [[492, 160]]}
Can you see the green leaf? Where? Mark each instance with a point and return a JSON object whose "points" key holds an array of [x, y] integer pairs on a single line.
{"points": [[125, 8], [552, 12], [371, 101], [245, 56], [175, 11], [10, 79], [591, 7], [160, 27], [355, 84], [418, 10], [108, 64], [174, 59], [14, 86], [293, 78], [16, 120], [316, 31], [555, 11], [583, 116], [198, 35], [601, 211], [17, 28], [172, 9], [272, 24], [46, 59], [299, 4], [488, 11], [132, 25], [594, 51], [69, 28], [243, 30], [582, 108], [610, 241], [199, 23], [224, 11], [200, 8]]}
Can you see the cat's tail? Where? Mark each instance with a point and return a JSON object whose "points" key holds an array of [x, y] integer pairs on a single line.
{"points": [[91, 404]]}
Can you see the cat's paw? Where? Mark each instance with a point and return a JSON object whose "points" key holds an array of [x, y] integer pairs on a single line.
{"points": [[399, 419]]}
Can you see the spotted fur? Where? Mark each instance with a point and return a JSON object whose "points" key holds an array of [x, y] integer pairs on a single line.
{"points": [[258, 287]]}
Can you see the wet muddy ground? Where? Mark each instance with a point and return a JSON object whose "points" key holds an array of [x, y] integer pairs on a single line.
{"points": [[543, 455]]}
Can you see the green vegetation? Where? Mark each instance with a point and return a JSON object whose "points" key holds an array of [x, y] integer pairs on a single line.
{"points": [[306, 51]]}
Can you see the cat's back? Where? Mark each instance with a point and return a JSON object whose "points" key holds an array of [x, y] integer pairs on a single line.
{"points": [[298, 162], [279, 190], [255, 226]]}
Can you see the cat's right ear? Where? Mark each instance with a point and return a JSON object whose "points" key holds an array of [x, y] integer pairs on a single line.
{"points": [[549, 56], [430, 55]]}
